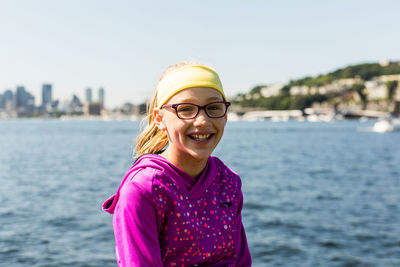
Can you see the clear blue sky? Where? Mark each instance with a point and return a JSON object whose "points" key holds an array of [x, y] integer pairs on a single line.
{"points": [[124, 46]]}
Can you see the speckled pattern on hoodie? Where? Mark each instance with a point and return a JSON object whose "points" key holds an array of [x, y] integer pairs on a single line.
{"points": [[164, 217]]}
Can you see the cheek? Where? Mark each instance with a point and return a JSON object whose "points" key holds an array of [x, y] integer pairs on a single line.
{"points": [[177, 130], [221, 124]]}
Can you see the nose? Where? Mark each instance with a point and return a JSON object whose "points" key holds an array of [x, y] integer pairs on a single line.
{"points": [[201, 118]]}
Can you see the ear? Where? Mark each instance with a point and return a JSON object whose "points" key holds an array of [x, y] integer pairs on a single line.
{"points": [[158, 119]]}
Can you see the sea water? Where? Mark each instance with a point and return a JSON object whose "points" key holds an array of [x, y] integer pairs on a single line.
{"points": [[315, 194]]}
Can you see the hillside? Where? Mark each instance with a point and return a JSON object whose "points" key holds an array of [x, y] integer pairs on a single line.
{"points": [[366, 84], [364, 71]]}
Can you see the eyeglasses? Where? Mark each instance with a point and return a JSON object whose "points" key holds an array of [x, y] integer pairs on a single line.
{"points": [[187, 111]]}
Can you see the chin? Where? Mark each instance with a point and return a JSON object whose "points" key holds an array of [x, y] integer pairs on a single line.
{"points": [[200, 151], [200, 155]]}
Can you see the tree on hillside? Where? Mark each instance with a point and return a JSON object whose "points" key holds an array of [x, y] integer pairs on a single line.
{"points": [[391, 89], [285, 90], [365, 72], [360, 89], [257, 89]]}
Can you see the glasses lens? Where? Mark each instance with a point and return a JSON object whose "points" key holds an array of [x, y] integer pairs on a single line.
{"points": [[215, 110], [186, 111]]}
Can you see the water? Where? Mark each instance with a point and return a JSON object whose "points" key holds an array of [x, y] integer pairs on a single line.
{"points": [[316, 194]]}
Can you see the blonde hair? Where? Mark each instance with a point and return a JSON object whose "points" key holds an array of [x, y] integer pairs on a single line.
{"points": [[152, 140]]}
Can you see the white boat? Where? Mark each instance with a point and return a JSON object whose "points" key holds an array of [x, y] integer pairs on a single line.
{"points": [[279, 118], [386, 125]]}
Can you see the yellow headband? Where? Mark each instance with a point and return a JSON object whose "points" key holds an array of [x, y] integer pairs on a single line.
{"points": [[187, 77]]}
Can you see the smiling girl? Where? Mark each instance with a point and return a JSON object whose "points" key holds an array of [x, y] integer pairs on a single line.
{"points": [[178, 205]]}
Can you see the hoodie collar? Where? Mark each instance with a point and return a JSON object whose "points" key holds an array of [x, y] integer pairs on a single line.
{"points": [[193, 187]]}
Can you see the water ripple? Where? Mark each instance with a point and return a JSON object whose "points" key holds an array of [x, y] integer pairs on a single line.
{"points": [[314, 194]]}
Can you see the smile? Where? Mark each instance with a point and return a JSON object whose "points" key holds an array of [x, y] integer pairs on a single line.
{"points": [[200, 137]]}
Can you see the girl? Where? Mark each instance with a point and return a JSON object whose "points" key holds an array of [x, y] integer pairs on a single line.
{"points": [[178, 205]]}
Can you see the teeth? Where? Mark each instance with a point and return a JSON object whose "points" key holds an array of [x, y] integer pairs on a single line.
{"points": [[201, 137]]}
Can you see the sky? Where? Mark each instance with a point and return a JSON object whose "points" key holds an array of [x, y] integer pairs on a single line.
{"points": [[124, 46]]}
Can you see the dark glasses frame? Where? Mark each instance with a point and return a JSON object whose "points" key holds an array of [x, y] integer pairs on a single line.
{"points": [[199, 107]]}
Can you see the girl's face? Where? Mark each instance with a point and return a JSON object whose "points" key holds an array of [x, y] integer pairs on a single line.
{"points": [[192, 139]]}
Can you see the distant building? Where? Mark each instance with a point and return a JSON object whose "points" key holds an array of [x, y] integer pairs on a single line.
{"points": [[131, 109], [21, 97], [89, 95], [46, 94], [336, 86], [299, 90], [271, 90], [376, 90], [101, 96], [348, 82], [384, 63], [8, 95], [75, 106], [55, 105], [76, 101], [25, 102], [93, 109], [385, 78], [9, 101], [142, 109], [2, 102]]}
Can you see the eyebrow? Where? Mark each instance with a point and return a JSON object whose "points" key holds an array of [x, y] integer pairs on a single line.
{"points": [[214, 98], [210, 99]]}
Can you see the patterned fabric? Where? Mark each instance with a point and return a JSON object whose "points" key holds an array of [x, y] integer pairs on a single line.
{"points": [[164, 217]]}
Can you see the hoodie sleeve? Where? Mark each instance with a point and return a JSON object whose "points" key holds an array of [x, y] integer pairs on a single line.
{"points": [[243, 254], [135, 228]]}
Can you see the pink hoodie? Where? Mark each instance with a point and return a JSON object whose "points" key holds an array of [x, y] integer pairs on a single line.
{"points": [[164, 217]]}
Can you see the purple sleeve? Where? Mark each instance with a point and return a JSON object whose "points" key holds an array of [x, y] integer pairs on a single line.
{"points": [[135, 228], [243, 253]]}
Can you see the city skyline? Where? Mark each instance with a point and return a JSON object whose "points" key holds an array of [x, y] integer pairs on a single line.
{"points": [[124, 46], [46, 94], [20, 102]]}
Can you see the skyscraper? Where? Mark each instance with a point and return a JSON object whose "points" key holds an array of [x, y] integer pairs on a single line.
{"points": [[8, 95], [46, 94], [9, 100], [25, 102], [21, 97], [89, 95], [101, 96], [2, 102]]}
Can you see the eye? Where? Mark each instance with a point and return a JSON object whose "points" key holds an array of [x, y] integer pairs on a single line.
{"points": [[186, 108], [215, 107]]}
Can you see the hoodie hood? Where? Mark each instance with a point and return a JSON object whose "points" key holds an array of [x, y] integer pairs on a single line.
{"points": [[159, 163]]}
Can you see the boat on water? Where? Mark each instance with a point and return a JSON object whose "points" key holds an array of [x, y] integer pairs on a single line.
{"points": [[386, 125]]}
